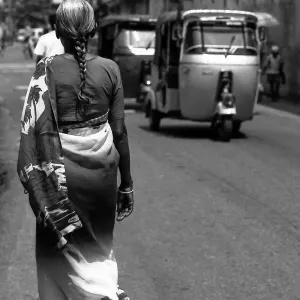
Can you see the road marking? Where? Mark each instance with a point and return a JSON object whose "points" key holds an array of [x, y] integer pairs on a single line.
{"points": [[17, 66], [21, 87], [23, 98], [7, 71], [130, 111], [129, 101]]}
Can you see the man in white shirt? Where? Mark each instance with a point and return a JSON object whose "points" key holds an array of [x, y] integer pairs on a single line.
{"points": [[49, 44]]}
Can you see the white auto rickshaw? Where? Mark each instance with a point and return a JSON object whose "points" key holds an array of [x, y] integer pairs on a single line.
{"points": [[206, 68]]}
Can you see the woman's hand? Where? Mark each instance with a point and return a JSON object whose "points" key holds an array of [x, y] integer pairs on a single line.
{"points": [[125, 203]]}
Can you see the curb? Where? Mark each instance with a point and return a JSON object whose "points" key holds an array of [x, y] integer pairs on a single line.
{"points": [[276, 112]]}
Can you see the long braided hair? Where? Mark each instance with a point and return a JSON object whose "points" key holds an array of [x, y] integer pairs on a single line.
{"points": [[75, 21], [84, 102]]}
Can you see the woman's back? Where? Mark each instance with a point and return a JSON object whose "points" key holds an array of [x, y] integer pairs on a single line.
{"points": [[103, 88]]}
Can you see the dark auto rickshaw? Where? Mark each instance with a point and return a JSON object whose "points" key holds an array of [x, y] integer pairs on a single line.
{"points": [[129, 40]]}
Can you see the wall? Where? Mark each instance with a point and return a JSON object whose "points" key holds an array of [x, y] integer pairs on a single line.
{"points": [[287, 35], [135, 7]]}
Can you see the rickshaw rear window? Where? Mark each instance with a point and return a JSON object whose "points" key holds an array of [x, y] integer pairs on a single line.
{"points": [[142, 39], [136, 38], [202, 38]]}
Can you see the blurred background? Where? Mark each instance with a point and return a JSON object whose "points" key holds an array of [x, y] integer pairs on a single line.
{"points": [[15, 15], [212, 221]]}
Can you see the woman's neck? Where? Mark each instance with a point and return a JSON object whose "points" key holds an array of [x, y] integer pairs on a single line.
{"points": [[69, 49]]}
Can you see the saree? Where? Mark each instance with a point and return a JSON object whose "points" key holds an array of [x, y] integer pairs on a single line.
{"points": [[71, 180]]}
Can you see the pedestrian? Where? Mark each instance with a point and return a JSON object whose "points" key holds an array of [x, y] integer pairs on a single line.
{"points": [[26, 43], [73, 142], [31, 44], [274, 67], [2, 40], [48, 44]]}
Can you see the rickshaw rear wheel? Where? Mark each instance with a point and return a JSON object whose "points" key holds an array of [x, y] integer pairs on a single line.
{"points": [[236, 127], [154, 119]]}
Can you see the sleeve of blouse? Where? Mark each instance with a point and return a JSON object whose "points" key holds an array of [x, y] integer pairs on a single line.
{"points": [[117, 103], [40, 48]]}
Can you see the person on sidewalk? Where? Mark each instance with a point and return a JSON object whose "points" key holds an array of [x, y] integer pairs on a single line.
{"points": [[26, 43], [73, 142], [48, 44], [274, 67]]}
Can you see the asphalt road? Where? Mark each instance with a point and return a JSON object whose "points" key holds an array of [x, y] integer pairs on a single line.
{"points": [[212, 221]]}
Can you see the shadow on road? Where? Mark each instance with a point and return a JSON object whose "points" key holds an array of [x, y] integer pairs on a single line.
{"points": [[189, 132]]}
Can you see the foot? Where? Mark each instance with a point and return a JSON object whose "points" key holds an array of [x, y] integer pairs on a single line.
{"points": [[122, 295]]}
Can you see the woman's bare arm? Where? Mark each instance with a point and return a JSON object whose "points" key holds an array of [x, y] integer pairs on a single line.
{"points": [[121, 143], [116, 120]]}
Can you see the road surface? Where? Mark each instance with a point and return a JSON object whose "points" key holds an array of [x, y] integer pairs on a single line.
{"points": [[212, 221]]}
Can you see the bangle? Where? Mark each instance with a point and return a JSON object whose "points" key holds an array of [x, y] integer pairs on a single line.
{"points": [[125, 192]]}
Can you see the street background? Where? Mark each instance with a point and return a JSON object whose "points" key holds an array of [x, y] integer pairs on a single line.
{"points": [[212, 220]]}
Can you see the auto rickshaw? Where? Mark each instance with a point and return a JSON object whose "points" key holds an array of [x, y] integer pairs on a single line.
{"points": [[129, 40], [206, 68]]}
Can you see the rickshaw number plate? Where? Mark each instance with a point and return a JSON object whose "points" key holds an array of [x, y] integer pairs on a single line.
{"points": [[208, 72]]}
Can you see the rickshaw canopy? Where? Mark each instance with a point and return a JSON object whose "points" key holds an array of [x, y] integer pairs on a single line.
{"points": [[117, 19], [261, 18], [258, 19], [266, 20]]}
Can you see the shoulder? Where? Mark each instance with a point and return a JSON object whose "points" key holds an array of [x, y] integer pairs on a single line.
{"points": [[107, 63], [43, 38], [108, 67], [47, 36], [51, 62]]}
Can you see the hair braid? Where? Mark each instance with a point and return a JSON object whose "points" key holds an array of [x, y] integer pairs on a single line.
{"points": [[83, 102]]}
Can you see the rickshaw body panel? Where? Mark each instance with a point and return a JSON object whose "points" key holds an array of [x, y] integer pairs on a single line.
{"points": [[172, 95], [198, 78], [130, 69]]}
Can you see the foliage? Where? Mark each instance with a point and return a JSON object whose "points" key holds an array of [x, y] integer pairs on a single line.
{"points": [[33, 12]]}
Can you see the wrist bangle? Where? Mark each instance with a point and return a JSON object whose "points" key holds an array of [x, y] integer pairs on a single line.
{"points": [[122, 192]]}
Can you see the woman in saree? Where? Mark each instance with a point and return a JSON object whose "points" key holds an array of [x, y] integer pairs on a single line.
{"points": [[73, 142]]}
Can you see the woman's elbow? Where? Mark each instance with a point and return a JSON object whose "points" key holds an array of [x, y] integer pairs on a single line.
{"points": [[119, 131]]}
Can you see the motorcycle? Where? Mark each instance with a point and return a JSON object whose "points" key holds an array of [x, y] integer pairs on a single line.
{"points": [[145, 82], [223, 120]]}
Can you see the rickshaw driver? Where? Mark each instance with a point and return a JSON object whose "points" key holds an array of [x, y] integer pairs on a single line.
{"points": [[275, 73]]}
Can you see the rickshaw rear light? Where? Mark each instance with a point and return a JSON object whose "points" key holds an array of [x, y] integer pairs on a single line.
{"points": [[147, 80]]}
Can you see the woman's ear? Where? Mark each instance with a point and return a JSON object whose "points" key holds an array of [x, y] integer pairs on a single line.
{"points": [[92, 34], [57, 33]]}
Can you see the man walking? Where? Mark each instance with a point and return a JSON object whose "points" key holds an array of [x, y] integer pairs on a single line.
{"points": [[274, 69], [49, 44]]}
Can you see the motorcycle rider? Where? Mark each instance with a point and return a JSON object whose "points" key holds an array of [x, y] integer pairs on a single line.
{"points": [[49, 44], [275, 72], [26, 43]]}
